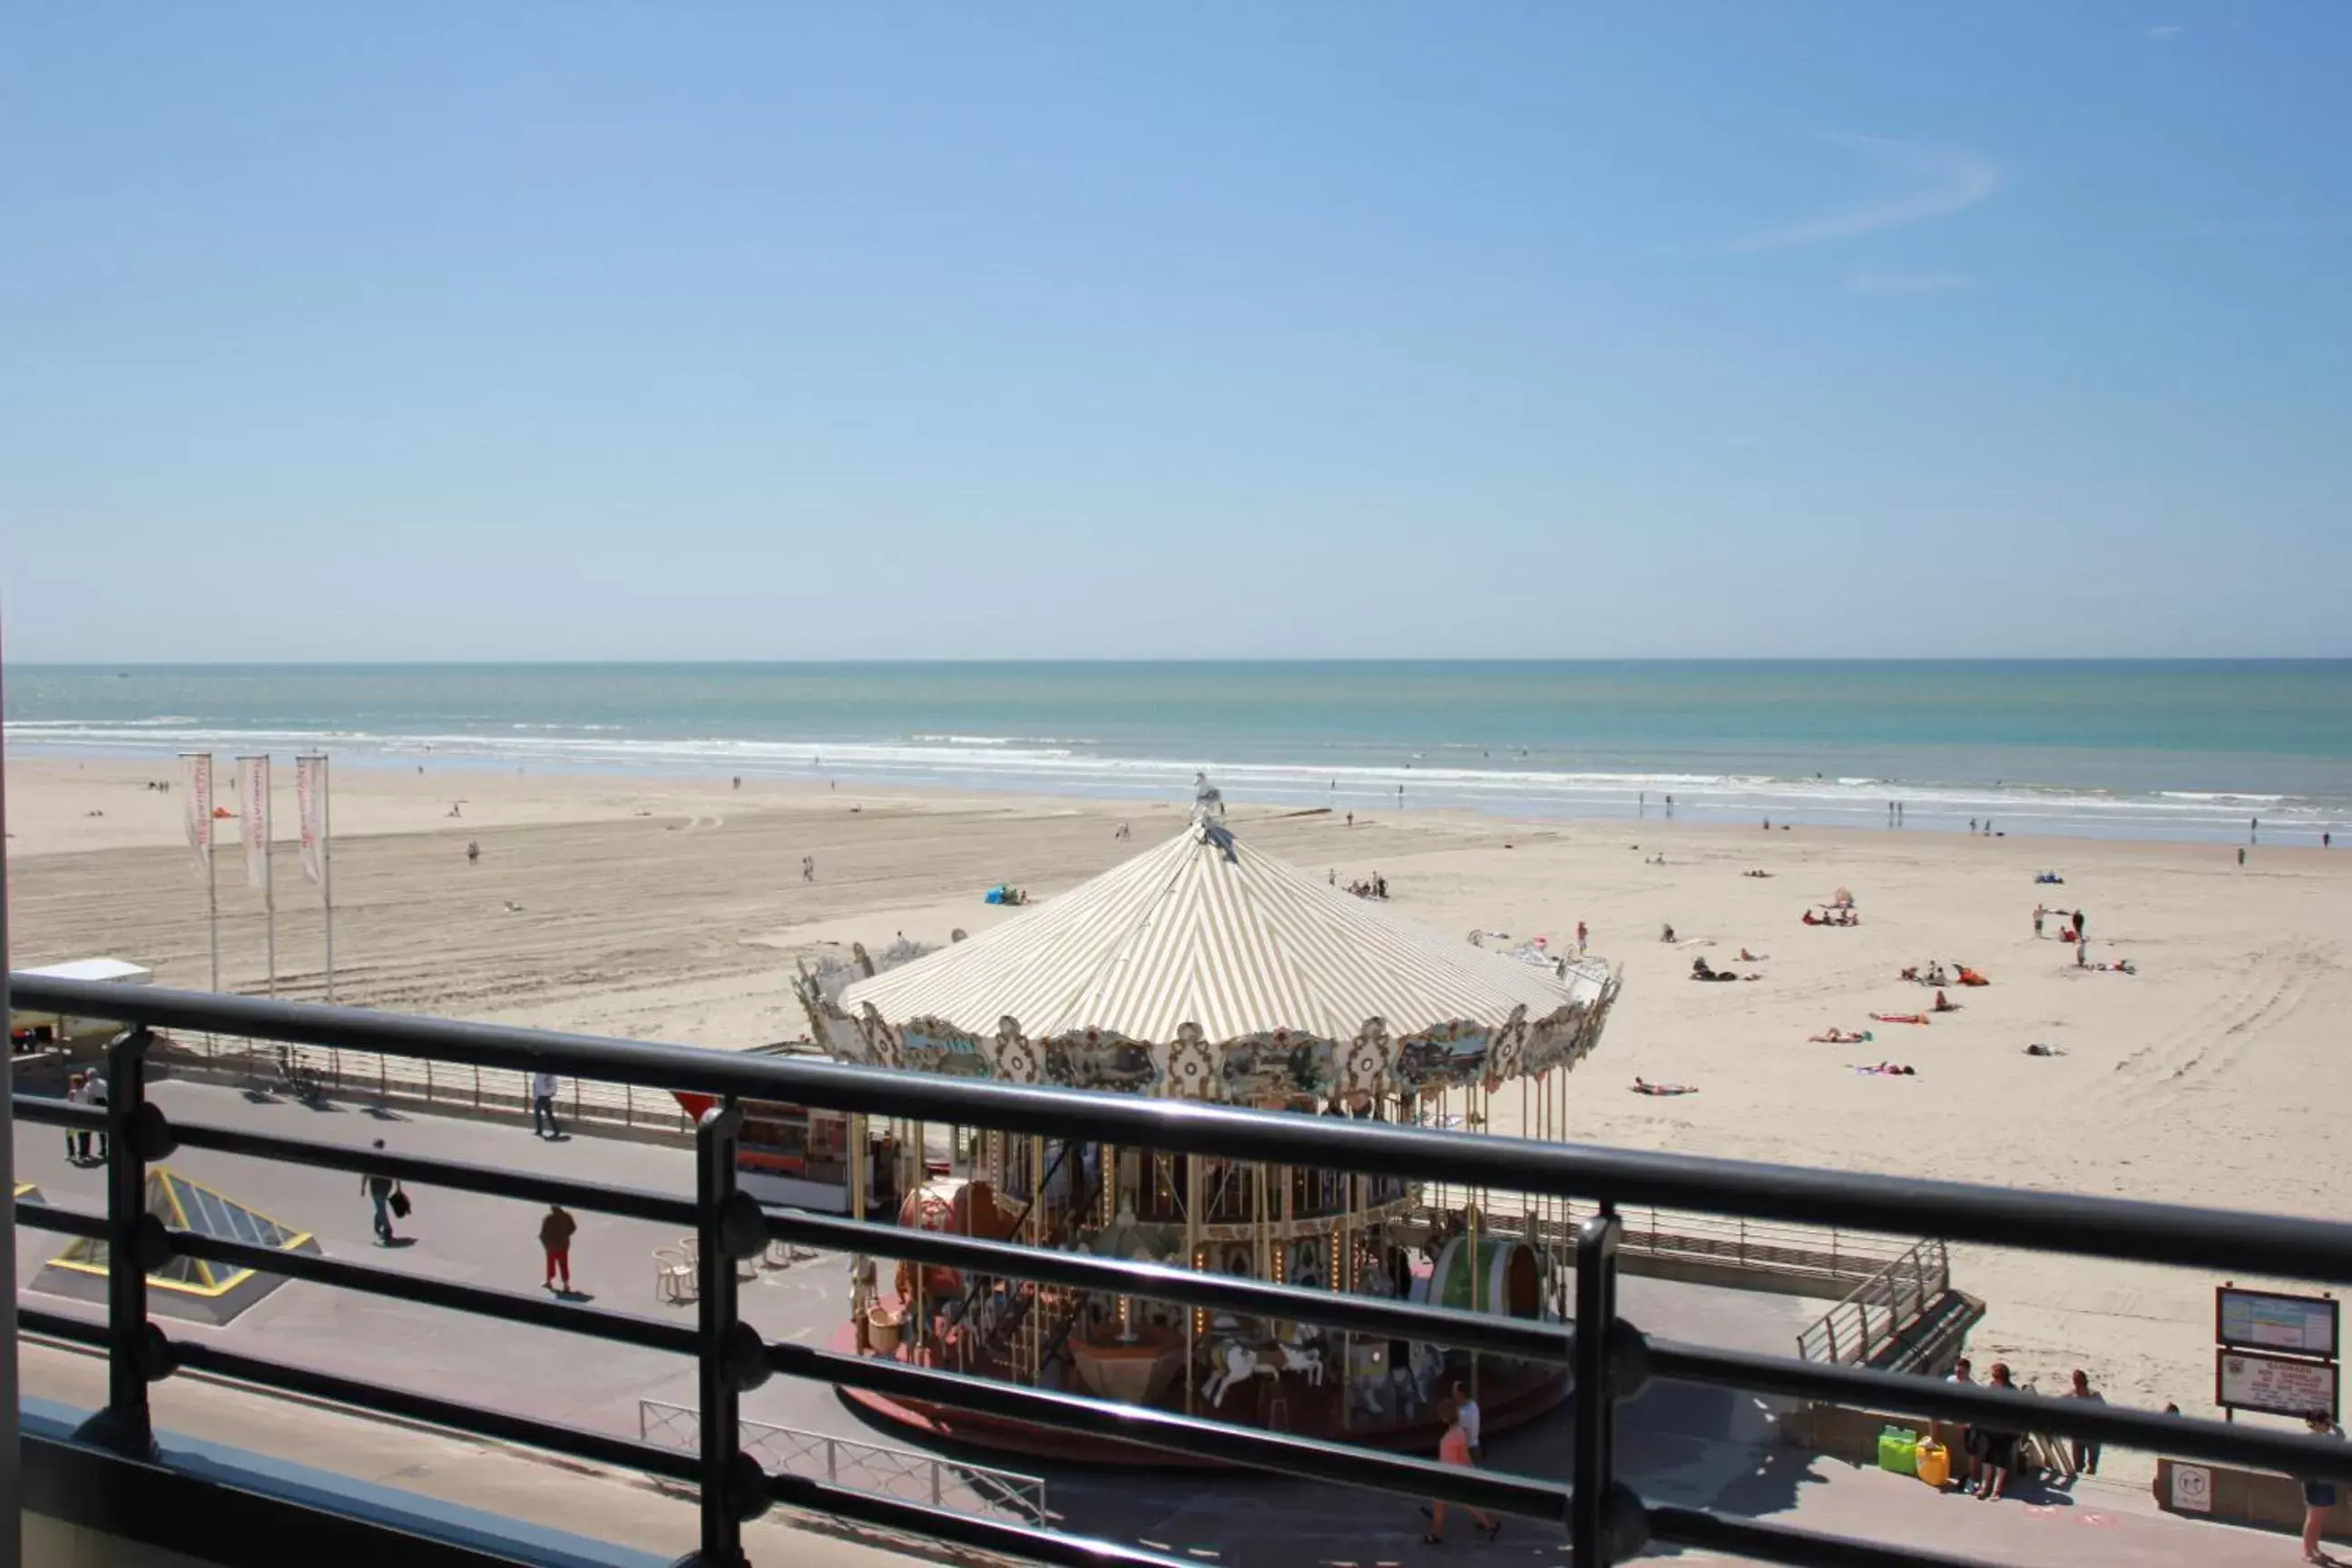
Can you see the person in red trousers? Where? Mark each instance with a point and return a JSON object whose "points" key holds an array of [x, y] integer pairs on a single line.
{"points": [[555, 1238]]}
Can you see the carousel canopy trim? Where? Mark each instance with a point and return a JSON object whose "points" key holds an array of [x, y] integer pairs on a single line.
{"points": [[1204, 931]]}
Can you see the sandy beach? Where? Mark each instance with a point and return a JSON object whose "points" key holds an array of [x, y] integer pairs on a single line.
{"points": [[675, 909]]}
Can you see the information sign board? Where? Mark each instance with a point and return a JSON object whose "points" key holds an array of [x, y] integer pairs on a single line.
{"points": [[2266, 1321], [2281, 1386]]}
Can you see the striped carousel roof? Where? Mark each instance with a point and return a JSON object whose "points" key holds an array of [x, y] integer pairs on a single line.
{"points": [[1204, 931]]}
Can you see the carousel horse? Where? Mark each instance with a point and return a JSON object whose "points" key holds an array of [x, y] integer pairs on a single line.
{"points": [[1304, 1359]]}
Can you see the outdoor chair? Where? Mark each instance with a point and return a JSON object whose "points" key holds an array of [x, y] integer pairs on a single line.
{"points": [[673, 1277]]}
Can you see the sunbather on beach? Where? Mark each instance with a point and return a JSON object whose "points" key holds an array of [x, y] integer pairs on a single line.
{"points": [[1900, 1017], [1886, 1069], [1834, 1035], [1642, 1086], [1944, 1005]]}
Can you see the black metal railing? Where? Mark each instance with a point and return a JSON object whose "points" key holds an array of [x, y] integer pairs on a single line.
{"points": [[1611, 1358]]}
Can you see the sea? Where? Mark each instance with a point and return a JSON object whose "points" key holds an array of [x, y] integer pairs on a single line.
{"points": [[2179, 750]]}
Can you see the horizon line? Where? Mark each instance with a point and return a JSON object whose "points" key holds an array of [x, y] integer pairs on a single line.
{"points": [[687, 663]]}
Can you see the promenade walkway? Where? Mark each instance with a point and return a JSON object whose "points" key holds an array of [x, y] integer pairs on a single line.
{"points": [[1680, 1444]]}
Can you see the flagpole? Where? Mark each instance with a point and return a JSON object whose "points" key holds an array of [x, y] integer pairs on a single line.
{"points": [[253, 811], [327, 869], [270, 891]]}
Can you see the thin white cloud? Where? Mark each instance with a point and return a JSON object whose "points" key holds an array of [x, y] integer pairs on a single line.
{"points": [[2255, 228], [1926, 182], [1908, 283], [2166, 33]]}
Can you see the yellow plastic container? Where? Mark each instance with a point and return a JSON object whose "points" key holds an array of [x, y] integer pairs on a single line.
{"points": [[1934, 1462]]}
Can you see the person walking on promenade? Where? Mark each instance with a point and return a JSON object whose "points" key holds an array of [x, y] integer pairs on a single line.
{"points": [[543, 1106], [380, 1189], [1996, 1449], [1964, 1469], [2318, 1497], [1467, 1411], [555, 1232], [2084, 1453], [78, 1138], [1454, 1448]]}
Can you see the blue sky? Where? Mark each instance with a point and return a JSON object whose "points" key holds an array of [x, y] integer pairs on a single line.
{"points": [[801, 330]]}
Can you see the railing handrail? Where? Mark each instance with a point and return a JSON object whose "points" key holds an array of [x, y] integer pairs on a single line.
{"points": [[2126, 1229], [1923, 1260], [1028, 1491], [1612, 1359]]}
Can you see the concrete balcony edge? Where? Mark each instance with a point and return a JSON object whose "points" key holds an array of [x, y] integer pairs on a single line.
{"points": [[222, 1505]]}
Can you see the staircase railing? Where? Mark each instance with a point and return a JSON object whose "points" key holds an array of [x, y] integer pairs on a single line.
{"points": [[1875, 1311]]}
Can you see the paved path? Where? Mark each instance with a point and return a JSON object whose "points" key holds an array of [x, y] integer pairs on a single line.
{"points": [[1683, 1444]]}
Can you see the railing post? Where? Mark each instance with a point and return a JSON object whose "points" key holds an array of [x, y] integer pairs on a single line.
{"points": [[135, 1243], [1600, 1530], [732, 1359]]}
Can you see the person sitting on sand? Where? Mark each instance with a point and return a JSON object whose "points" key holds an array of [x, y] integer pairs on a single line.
{"points": [[1936, 975], [1970, 977], [1911, 972], [1667, 934], [1944, 1005], [1812, 919], [1748, 957], [1642, 1086]]}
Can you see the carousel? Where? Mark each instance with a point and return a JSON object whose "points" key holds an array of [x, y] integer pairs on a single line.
{"points": [[1203, 969]]}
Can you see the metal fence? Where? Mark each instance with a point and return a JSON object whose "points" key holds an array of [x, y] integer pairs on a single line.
{"points": [[449, 1086], [1811, 1255], [1880, 1307], [872, 1468], [1609, 1356]]}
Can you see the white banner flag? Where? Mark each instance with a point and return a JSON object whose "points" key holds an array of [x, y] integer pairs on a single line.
{"points": [[253, 807], [310, 806], [196, 779]]}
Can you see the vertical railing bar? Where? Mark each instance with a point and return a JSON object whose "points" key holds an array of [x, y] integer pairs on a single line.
{"points": [[125, 1425], [1591, 1473], [721, 1415]]}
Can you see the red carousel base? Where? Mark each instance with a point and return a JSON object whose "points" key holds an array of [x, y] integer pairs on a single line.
{"points": [[1505, 1401]]}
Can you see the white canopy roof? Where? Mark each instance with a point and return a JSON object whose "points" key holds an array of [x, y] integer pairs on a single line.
{"points": [[94, 969], [1204, 931]]}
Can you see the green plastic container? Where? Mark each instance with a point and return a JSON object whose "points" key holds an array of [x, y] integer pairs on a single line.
{"points": [[1898, 1451]]}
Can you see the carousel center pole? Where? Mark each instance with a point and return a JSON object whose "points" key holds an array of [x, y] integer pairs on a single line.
{"points": [[1192, 1259], [1037, 1335]]}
